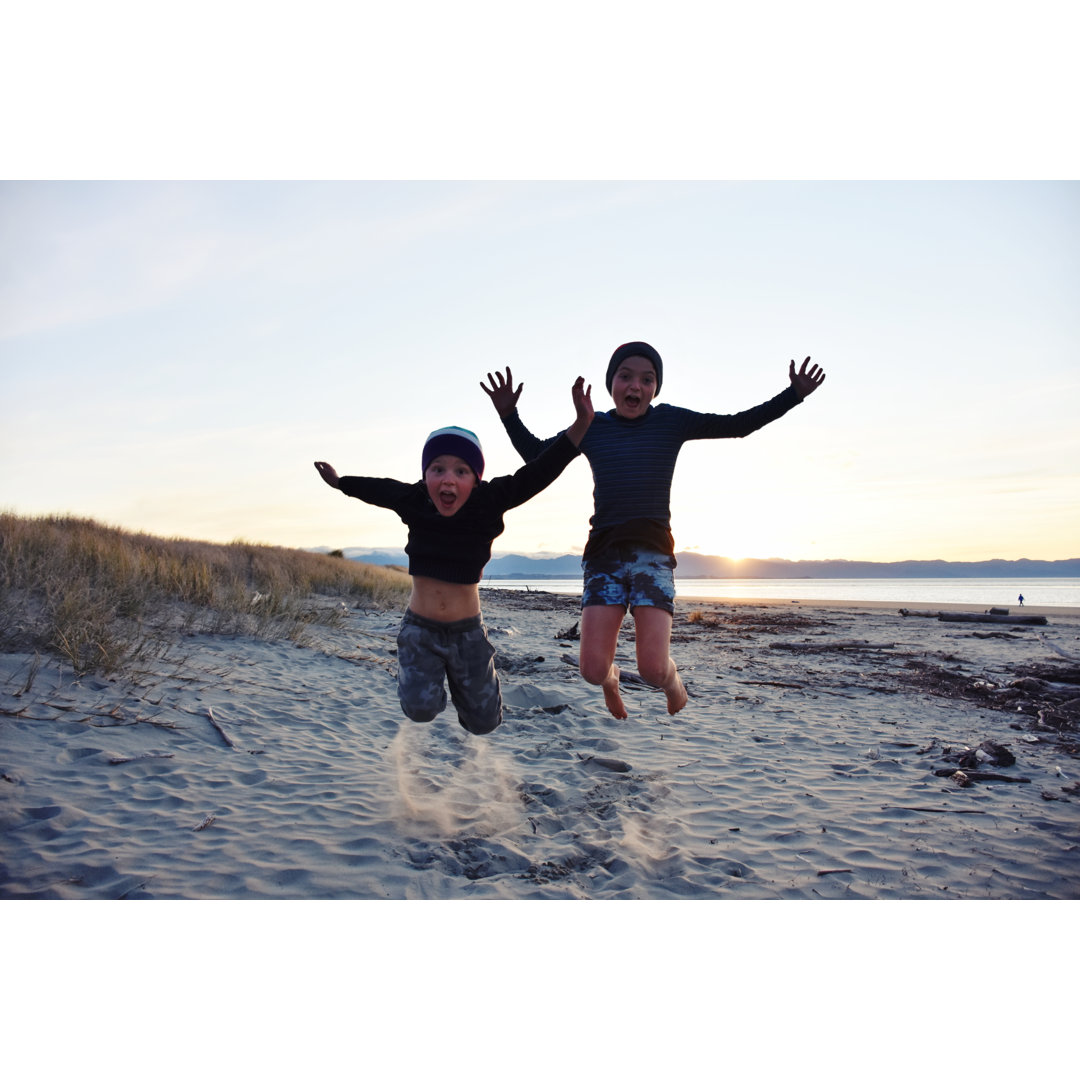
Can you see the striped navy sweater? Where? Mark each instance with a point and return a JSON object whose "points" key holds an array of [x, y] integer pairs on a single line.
{"points": [[633, 462]]}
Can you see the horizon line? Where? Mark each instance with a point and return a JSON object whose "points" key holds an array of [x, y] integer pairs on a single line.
{"points": [[545, 556]]}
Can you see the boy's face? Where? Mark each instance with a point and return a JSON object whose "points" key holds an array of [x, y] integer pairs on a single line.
{"points": [[633, 387], [450, 481]]}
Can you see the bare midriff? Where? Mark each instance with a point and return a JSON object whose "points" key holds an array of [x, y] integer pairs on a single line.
{"points": [[443, 601]]}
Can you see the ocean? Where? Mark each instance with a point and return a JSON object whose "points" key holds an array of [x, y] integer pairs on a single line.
{"points": [[979, 592]]}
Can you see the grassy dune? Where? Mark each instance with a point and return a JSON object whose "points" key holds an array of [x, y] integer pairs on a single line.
{"points": [[102, 598]]}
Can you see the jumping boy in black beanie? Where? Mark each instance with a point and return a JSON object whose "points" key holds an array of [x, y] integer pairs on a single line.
{"points": [[453, 516], [629, 559]]}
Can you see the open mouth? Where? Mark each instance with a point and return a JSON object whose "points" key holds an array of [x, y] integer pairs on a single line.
{"points": [[448, 502]]}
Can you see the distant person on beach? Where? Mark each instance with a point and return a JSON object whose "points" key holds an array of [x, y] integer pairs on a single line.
{"points": [[453, 516], [1021, 599], [629, 559]]}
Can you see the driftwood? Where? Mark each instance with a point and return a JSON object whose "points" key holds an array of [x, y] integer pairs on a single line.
{"points": [[218, 728], [772, 682], [1016, 620], [981, 777], [832, 646], [980, 617]]}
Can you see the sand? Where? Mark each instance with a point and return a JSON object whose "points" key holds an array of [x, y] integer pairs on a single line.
{"points": [[803, 767]]}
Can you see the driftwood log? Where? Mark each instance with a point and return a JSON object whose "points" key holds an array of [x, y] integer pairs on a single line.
{"points": [[981, 777], [829, 646], [979, 617], [1016, 620]]}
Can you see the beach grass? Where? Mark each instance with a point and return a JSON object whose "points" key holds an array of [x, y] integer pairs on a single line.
{"points": [[101, 598]]}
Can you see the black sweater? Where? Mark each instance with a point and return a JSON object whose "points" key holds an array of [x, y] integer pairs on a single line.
{"points": [[457, 548]]}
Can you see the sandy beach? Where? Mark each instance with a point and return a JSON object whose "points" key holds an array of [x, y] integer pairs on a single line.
{"points": [[811, 762]]}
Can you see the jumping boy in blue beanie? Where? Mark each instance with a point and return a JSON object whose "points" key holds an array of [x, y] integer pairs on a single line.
{"points": [[629, 560], [453, 516]]}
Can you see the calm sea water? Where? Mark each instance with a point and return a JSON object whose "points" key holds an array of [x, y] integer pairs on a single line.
{"points": [[985, 592]]}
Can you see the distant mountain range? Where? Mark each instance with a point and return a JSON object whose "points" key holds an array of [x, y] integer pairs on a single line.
{"points": [[693, 565]]}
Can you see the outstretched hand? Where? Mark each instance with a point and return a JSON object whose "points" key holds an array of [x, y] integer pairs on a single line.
{"points": [[583, 406], [805, 382], [328, 473], [502, 393]]}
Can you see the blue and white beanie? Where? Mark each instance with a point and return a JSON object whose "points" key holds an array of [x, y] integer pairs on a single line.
{"points": [[458, 441]]}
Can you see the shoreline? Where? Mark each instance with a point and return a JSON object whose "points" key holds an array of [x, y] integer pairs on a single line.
{"points": [[873, 605], [818, 604]]}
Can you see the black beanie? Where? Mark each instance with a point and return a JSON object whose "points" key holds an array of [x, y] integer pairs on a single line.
{"points": [[635, 348]]}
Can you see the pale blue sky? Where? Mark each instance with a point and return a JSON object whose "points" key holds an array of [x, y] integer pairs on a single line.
{"points": [[173, 356]]}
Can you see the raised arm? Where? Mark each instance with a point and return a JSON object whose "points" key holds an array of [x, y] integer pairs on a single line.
{"points": [[504, 397], [803, 382], [329, 474], [583, 406], [376, 490], [502, 393], [699, 425]]}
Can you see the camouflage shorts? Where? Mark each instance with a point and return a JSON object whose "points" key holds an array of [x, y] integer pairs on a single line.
{"points": [[432, 654], [630, 578]]}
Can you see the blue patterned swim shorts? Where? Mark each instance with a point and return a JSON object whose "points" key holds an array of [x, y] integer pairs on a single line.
{"points": [[630, 578]]}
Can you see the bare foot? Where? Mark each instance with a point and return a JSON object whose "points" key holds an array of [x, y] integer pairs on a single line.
{"points": [[675, 692], [612, 698]]}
